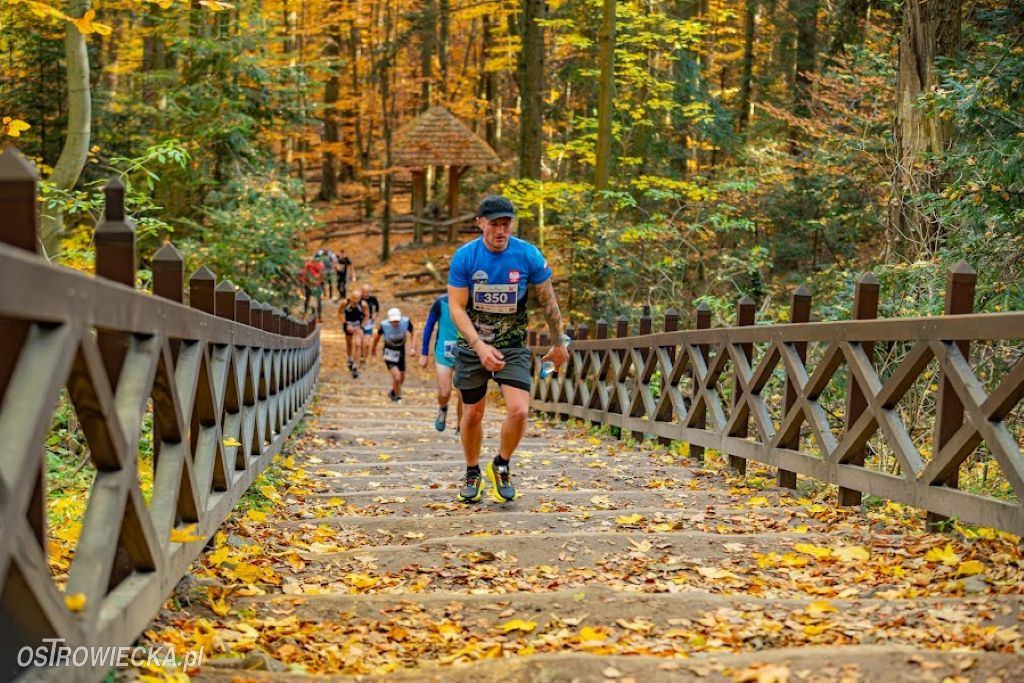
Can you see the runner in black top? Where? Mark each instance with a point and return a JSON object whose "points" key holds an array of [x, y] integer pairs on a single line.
{"points": [[353, 315], [346, 272], [371, 322]]}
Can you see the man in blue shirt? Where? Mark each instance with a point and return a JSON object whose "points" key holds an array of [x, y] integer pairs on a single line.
{"points": [[489, 281], [444, 358]]}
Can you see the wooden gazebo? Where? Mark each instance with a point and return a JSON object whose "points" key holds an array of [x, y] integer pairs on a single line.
{"points": [[437, 138]]}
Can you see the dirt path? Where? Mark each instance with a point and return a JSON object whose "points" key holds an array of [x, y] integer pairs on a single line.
{"points": [[351, 557]]}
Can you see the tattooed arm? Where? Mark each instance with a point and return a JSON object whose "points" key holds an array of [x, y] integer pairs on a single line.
{"points": [[545, 294]]}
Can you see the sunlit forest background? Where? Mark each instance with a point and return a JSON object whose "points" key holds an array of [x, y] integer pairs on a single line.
{"points": [[666, 152]]}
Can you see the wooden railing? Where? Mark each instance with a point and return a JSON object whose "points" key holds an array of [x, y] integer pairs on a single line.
{"points": [[226, 380], [751, 392]]}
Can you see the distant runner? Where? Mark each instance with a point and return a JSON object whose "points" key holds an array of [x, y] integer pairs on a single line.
{"points": [[397, 331], [346, 273], [311, 278], [371, 322], [444, 359], [353, 314]]}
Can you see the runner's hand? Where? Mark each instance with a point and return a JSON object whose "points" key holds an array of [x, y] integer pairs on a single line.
{"points": [[422, 360], [559, 355], [490, 357]]}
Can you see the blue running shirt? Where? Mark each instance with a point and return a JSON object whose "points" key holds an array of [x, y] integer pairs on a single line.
{"points": [[498, 288]]}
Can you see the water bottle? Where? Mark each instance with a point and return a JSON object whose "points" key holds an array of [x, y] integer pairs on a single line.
{"points": [[548, 367]]}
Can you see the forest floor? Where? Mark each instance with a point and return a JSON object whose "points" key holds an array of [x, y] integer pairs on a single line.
{"points": [[620, 561]]}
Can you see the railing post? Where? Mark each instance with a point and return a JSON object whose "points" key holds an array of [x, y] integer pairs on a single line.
{"points": [[18, 228], [255, 314], [646, 327], [949, 410], [865, 307], [200, 290], [225, 298], [115, 238], [563, 375], [621, 330], [532, 338], [168, 274], [799, 312], [601, 333], [277, 326], [18, 180], [671, 324], [115, 260], [703, 322], [744, 318], [242, 310]]}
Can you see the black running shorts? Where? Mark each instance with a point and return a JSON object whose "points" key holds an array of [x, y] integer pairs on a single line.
{"points": [[471, 376], [395, 358]]}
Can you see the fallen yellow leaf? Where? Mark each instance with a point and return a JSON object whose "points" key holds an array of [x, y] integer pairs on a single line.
{"points": [[970, 568], [518, 625], [75, 602], [817, 551], [820, 608], [589, 635], [946, 556], [361, 580], [851, 553], [256, 516], [231, 442], [629, 519], [186, 535]]}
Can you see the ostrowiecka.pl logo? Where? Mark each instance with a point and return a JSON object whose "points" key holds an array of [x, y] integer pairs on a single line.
{"points": [[51, 653]]}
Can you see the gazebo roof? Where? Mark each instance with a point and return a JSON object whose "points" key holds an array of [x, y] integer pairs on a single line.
{"points": [[437, 138]]}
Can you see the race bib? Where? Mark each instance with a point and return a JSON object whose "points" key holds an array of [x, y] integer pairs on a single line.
{"points": [[392, 355], [449, 349], [495, 298]]}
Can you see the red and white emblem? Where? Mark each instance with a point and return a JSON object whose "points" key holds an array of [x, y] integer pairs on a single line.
{"points": [[513, 277]]}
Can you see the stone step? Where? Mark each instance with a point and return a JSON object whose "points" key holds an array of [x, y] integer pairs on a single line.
{"points": [[813, 663]]}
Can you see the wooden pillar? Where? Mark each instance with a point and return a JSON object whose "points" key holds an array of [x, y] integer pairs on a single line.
{"points": [[225, 296], [799, 312], [671, 324], [115, 260], [419, 200], [949, 410], [18, 179], [200, 290], [744, 317], [701, 418], [454, 172], [865, 307], [168, 274]]}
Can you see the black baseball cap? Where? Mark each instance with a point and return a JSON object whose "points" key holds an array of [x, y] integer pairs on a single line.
{"points": [[495, 206]]}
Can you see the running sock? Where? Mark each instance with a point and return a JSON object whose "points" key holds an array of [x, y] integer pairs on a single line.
{"points": [[474, 469], [499, 461]]}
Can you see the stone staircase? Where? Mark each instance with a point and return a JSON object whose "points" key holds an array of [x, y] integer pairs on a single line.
{"points": [[618, 562]]}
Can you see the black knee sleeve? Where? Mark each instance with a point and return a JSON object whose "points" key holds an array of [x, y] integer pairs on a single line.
{"points": [[474, 395]]}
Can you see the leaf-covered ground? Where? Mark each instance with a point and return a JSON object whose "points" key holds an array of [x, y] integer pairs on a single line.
{"points": [[620, 561]]}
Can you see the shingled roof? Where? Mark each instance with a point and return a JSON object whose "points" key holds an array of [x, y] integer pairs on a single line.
{"points": [[437, 138]]}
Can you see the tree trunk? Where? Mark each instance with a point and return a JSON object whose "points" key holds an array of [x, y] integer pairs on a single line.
{"points": [[747, 68], [332, 50], [531, 88], [444, 35], [850, 16], [931, 29], [490, 121], [387, 101], [428, 36], [79, 131], [805, 15], [605, 96]]}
